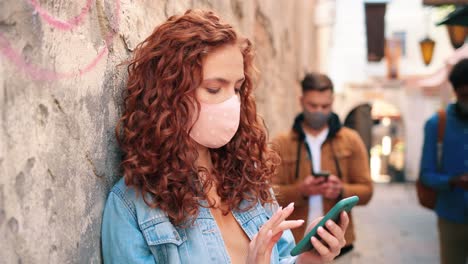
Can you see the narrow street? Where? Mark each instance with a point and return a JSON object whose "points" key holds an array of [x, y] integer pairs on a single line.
{"points": [[394, 228]]}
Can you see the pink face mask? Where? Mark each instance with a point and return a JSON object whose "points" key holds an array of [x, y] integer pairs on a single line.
{"points": [[217, 123]]}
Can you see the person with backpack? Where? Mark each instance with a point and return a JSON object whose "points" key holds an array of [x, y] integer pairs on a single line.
{"points": [[444, 168], [321, 161]]}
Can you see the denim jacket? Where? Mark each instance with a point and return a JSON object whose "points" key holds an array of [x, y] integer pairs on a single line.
{"points": [[132, 232]]}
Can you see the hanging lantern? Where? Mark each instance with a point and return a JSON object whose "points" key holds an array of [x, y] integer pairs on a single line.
{"points": [[427, 49], [457, 35]]}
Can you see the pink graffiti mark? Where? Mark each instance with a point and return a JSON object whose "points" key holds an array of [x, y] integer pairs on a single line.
{"points": [[60, 24], [39, 73]]}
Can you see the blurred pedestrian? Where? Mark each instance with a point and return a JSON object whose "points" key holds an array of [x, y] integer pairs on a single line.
{"points": [[448, 173], [322, 161]]}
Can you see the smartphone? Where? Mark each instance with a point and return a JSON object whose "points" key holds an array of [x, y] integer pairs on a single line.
{"points": [[334, 214], [324, 174]]}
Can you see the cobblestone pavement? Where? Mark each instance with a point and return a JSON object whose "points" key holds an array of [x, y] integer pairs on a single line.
{"points": [[393, 228]]}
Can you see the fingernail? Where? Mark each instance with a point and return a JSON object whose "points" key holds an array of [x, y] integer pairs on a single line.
{"points": [[313, 238], [300, 220], [291, 205], [329, 223], [321, 230]]}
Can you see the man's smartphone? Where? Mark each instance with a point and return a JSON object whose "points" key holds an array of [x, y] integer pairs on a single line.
{"points": [[324, 174], [334, 215]]}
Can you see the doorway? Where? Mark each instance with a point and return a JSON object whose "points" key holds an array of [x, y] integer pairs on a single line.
{"points": [[381, 128]]}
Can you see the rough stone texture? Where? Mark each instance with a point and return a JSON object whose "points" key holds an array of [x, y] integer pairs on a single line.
{"points": [[60, 87]]}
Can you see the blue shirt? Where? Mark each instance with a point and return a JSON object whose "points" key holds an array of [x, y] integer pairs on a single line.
{"points": [[132, 232], [452, 204]]}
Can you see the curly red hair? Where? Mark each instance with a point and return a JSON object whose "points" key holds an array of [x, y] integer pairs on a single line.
{"points": [[153, 132]]}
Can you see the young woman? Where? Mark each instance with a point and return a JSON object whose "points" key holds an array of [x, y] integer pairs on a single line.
{"points": [[195, 186]]}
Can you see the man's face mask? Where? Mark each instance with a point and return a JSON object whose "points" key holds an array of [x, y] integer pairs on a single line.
{"points": [[316, 120]]}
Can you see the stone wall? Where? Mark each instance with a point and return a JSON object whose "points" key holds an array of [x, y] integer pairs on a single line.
{"points": [[60, 87]]}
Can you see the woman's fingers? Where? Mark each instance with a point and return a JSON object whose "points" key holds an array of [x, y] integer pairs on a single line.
{"points": [[313, 223], [271, 244], [278, 218], [344, 221], [338, 231], [288, 224], [262, 238], [320, 247], [330, 240], [334, 229], [282, 224], [274, 220], [284, 213], [262, 244], [287, 211], [332, 236]]}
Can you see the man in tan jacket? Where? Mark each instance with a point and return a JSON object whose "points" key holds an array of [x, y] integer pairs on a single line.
{"points": [[318, 143]]}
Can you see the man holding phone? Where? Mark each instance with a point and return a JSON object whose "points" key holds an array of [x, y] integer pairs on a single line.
{"points": [[322, 162]]}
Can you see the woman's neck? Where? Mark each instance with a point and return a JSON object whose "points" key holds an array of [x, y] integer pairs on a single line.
{"points": [[204, 158]]}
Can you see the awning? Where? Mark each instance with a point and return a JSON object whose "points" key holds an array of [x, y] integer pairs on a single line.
{"points": [[445, 2], [457, 17]]}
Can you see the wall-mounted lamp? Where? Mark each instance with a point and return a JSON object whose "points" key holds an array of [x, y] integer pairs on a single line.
{"points": [[427, 49]]}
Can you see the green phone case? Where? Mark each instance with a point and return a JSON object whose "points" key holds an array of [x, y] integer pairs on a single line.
{"points": [[334, 214]]}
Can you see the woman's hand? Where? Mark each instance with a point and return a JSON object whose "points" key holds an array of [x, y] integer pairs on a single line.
{"points": [[262, 244], [333, 241]]}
